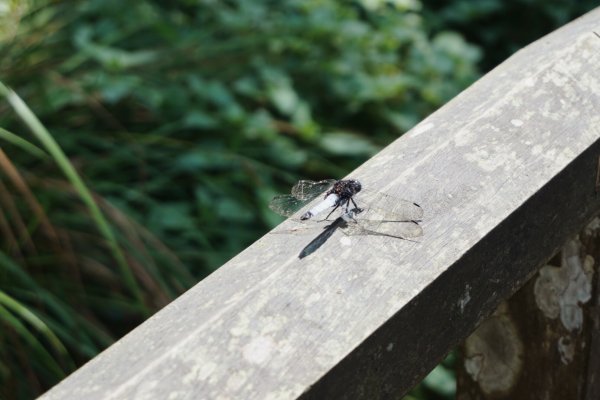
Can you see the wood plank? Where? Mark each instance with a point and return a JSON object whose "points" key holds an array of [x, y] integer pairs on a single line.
{"points": [[542, 342], [505, 173]]}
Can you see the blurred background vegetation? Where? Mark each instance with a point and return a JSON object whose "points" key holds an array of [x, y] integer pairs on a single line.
{"points": [[144, 139]]}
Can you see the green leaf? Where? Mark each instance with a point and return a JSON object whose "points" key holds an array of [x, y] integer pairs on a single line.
{"points": [[344, 143]]}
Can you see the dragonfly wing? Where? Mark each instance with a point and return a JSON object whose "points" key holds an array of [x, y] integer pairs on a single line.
{"points": [[286, 204], [397, 229], [304, 228], [381, 206], [308, 190]]}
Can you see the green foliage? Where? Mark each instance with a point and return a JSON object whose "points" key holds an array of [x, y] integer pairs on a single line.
{"points": [[501, 27]]}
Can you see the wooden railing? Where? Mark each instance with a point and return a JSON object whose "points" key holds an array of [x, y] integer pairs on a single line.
{"points": [[507, 174]]}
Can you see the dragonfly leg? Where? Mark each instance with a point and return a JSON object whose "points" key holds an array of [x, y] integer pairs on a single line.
{"points": [[346, 205], [334, 208]]}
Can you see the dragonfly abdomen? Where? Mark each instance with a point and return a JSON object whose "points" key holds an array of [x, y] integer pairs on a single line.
{"points": [[330, 201]]}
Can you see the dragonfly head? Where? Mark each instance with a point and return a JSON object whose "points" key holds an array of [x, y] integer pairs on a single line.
{"points": [[354, 186], [345, 189]]}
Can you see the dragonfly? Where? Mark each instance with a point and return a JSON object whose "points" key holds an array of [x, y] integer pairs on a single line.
{"points": [[378, 214]]}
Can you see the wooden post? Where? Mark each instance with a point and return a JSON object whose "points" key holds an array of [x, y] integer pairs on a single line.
{"points": [[543, 343]]}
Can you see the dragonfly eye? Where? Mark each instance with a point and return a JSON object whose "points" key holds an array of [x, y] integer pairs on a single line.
{"points": [[355, 186]]}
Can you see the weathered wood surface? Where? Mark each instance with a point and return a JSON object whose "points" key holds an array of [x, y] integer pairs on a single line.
{"points": [[543, 342], [505, 173]]}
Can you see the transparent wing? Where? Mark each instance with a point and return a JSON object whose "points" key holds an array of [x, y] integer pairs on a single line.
{"points": [[303, 193], [307, 227], [360, 226], [286, 204], [397, 229], [308, 190], [385, 215], [380, 206]]}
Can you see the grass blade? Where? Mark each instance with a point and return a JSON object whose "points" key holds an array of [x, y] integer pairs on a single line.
{"points": [[84, 193], [22, 143]]}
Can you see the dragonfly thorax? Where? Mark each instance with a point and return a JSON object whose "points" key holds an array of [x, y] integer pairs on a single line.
{"points": [[345, 189], [340, 194]]}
